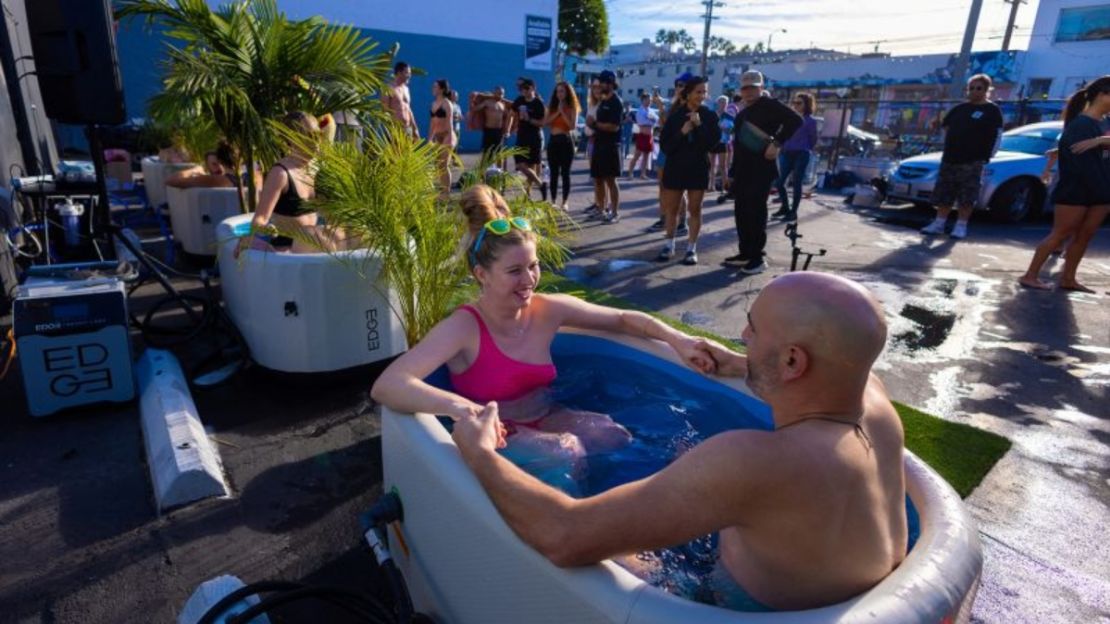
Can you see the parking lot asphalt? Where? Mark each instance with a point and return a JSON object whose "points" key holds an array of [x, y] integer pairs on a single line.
{"points": [[966, 343], [81, 540]]}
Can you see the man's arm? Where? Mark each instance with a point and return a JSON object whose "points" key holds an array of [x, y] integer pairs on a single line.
{"points": [[704, 490]]}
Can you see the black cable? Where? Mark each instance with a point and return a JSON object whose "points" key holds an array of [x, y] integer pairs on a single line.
{"points": [[224, 603], [362, 606]]}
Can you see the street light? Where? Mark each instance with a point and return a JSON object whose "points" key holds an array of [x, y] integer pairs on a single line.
{"points": [[782, 30]]}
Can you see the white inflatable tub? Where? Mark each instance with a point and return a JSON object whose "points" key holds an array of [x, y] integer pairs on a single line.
{"points": [[196, 212], [155, 173], [306, 313], [464, 565]]}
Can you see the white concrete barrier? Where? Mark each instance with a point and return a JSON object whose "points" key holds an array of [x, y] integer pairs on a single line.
{"points": [[195, 213], [184, 465]]}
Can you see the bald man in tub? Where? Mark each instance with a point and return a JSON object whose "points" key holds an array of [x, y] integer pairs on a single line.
{"points": [[809, 514]]}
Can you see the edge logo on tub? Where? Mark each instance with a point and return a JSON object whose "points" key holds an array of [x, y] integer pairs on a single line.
{"points": [[373, 339]]}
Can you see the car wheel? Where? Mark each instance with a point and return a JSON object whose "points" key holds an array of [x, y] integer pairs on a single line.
{"points": [[1015, 200]]}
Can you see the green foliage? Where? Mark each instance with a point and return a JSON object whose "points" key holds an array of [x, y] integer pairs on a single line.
{"points": [[963, 455], [381, 191], [719, 46], [584, 26], [245, 64], [680, 38]]}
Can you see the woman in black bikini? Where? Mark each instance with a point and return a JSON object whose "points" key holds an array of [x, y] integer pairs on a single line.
{"points": [[290, 183], [441, 130]]}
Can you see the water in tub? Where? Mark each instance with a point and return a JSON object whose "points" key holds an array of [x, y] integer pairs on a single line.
{"points": [[668, 409]]}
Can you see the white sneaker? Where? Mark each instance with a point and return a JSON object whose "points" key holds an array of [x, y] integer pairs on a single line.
{"points": [[959, 231], [936, 227]]}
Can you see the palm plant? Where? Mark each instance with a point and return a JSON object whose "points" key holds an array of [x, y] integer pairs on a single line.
{"points": [[382, 192], [245, 64]]}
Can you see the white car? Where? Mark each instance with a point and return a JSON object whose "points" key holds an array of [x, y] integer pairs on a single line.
{"points": [[1012, 187]]}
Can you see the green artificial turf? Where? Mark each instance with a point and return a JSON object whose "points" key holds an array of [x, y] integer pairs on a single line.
{"points": [[962, 454]]}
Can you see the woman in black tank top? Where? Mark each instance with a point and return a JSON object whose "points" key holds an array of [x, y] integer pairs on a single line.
{"points": [[285, 192]]}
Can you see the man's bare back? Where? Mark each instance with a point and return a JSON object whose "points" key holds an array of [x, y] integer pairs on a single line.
{"points": [[830, 523]]}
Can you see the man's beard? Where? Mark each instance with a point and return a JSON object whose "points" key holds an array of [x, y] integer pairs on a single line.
{"points": [[759, 376]]}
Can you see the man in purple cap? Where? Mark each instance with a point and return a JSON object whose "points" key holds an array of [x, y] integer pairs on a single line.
{"points": [[605, 166]]}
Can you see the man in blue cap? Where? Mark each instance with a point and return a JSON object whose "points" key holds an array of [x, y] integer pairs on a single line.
{"points": [[605, 166]]}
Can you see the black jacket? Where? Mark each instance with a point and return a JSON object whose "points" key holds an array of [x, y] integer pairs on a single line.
{"points": [[775, 119]]}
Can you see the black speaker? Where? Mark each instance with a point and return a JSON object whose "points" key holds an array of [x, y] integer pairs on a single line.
{"points": [[75, 60]]}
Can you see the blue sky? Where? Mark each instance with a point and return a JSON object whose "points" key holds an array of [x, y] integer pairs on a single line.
{"points": [[899, 26]]}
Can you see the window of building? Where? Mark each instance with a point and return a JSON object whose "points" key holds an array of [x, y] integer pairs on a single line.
{"points": [[711, 71], [1091, 23], [690, 68], [1039, 87], [677, 70], [642, 70], [659, 73]]}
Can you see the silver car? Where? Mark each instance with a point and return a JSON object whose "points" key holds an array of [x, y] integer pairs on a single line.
{"points": [[1012, 187]]}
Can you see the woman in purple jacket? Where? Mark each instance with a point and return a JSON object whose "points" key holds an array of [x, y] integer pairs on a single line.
{"points": [[795, 157]]}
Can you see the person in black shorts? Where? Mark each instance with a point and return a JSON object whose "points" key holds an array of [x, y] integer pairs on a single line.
{"points": [[528, 115], [691, 132], [972, 129], [1082, 193], [605, 166]]}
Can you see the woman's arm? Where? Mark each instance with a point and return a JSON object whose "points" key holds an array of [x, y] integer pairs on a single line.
{"points": [[401, 386], [672, 132], [181, 179], [708, 133], [574, 312]]}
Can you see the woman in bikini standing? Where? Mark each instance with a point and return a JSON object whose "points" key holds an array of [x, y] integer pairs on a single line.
{"points": [[441, 131], [498, 349]]}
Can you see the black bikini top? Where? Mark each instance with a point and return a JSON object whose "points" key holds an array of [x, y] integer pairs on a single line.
{"points": [[439, 112], [290, 203]]}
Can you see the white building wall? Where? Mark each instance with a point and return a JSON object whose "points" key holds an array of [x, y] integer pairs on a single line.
{"points": [[1067, 64]]}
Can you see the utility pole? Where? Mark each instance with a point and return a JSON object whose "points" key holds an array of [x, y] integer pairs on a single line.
{"points": [[1010, 25], [959, 74], [709, 4]]}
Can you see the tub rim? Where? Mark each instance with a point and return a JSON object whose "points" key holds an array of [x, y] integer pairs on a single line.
{"points": [[937, 579]]}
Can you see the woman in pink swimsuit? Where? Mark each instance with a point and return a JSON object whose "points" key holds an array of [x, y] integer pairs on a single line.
{"points": [[499, 347]]}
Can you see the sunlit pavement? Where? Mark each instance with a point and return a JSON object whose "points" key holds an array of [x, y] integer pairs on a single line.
{"points": [[967, 343]]}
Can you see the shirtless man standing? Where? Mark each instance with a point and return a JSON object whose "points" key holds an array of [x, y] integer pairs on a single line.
{"points": [[398, 100], [495, 119], [809, 514]]}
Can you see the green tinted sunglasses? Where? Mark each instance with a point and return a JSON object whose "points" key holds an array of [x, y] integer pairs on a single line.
{"points": [[498, 227]]}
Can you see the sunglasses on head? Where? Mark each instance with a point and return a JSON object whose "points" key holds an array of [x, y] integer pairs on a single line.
{"points": [[498, 227], [976, 88]]}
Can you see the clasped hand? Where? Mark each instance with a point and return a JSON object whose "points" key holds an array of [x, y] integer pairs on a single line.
{"points": [[480, 428]]}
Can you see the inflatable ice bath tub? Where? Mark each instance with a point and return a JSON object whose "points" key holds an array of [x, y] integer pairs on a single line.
{"points": [[306, 312], [464, 565]]}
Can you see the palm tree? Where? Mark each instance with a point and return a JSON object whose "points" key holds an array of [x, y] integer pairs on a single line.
{"points": [[382, 192], [245, 64]]}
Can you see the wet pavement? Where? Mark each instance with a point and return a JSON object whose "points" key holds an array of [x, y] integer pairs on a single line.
{"points": [[966, 343]]}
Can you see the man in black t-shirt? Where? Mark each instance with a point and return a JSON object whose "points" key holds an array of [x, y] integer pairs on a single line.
{"points": [[971, 135], [605, 166], [528, 115]]}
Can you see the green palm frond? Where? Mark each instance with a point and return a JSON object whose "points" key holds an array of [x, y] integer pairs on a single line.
{"points": [[246, 63]]}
